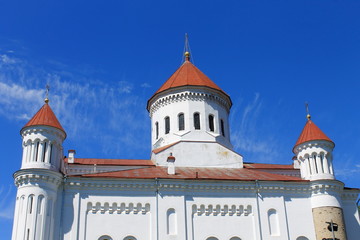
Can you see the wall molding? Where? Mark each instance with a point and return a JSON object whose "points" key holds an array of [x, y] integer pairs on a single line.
{"points": [[187, 95]]}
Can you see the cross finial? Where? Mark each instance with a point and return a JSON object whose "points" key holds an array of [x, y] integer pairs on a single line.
{"points": [[187, 48], [308, 116], [47, 93]]}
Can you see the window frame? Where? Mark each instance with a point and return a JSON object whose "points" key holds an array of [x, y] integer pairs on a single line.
{"points": [[181, 121], [197, 124], [167, 124], [211, 119]]}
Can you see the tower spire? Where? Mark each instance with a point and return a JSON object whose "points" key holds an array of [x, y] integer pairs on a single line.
{"points": [[187, 48], [46, 100], [308, 116]]}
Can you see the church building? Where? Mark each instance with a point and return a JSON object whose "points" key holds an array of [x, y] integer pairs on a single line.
{"points": [[193, 187]]}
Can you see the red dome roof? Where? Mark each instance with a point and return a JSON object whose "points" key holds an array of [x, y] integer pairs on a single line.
{"points": [[311, 132], [188, 75], [45, 116]]}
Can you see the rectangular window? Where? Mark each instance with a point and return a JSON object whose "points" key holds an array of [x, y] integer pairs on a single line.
{"points": [[167, 125], [157, 130], [222, 128], [211, 123], [181, 122], [197, 121]]}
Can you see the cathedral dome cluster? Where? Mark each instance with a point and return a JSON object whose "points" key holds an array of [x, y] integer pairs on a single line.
{"points": [[194, 186]]}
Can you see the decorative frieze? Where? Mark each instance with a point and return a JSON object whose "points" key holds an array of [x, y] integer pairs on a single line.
{"points": [[44, 129], [350, 195], [186, 96], [118, 208], [26, 178], [221, 210], [326, 187]]}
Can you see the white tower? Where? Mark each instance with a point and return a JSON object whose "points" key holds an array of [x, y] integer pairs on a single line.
{"points": [[313, 151], [189, 113], [39, 179]]}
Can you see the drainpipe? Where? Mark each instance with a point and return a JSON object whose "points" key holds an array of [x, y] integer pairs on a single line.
{"points": [[157, 207], [257, 189]]}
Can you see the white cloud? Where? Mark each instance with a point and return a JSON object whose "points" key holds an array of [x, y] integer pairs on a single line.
{"points": [[145, 85], [248, 137], [90, 110], [7, 203], [6, 59]]}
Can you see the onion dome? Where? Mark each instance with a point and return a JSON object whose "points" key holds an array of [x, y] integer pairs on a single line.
{"points": [[45, 117]]}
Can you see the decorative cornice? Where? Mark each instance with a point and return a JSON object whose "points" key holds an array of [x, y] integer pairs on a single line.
{"points": [[74, 183], [44, 129], [77, 183], [350, 195], [27, 177], [315, 143], [326, 187], [186, 95]]}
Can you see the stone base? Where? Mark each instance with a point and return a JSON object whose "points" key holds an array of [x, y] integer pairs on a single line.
{"points": [[322, 217]]}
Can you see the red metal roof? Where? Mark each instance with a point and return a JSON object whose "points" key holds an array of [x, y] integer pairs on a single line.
{"points": [[160, 149], [188, 75], [45, 116], [268, 166], [311, 132], [200, 173], [113, 162]]}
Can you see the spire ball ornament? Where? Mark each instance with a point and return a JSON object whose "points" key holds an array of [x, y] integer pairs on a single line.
{"points": [[187, 56]]}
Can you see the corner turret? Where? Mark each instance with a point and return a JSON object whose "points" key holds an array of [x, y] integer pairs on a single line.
{"points": [[42, 137], [313, 151]]}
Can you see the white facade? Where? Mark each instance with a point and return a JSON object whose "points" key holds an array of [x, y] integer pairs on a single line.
{"points": [[195, 186]]}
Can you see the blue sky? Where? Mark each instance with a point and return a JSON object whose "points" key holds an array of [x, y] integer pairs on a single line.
{"points": [[104, 59]]}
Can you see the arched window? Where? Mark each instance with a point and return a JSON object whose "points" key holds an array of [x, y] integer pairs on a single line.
{"points": [[212, 238], [171, 222], [302, 238], [36, 150], [273, 222], [30, 204], [181, 122], [222, 127], [167, 125], [51, 152], [44, 152], [156, 130], [235, 238], [129, 238], [105, 237], [40, 206], [197, 121], [211, 123]]}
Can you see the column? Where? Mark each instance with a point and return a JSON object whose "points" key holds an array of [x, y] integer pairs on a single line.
{"points": [[319, 163], [325, 163], [47, 153], [32, 154], [312, 165], [40, 152]]}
